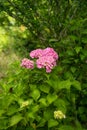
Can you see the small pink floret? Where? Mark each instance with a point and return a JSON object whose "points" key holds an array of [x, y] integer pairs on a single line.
{"points": [[47, 62], [36, 53], [50, 52], [29, 64]]}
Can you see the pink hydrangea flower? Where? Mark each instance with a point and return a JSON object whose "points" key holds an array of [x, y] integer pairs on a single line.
{"points": [[47, 62], [46, 58], [50, 52], [29, 64], [36, 53], [44, 52]]}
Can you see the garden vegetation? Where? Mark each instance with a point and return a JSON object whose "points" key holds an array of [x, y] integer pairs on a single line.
{"points": [[45, 86]]}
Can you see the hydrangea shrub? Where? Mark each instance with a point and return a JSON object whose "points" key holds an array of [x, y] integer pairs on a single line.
{"points": [[40, 95]]}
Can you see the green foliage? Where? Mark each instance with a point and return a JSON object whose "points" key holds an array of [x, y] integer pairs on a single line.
{"points": [[27, 103], [15, 119], [47, 21], [52, 123]]}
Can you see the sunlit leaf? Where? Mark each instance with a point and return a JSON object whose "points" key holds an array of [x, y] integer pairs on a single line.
{"points": [[52, 123], [15, 119], [76, 84], [51, 98], [35, 94]]}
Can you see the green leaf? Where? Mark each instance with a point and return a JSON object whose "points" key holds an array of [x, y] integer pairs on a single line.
{"points": [[53, 40], [43, 102], [35, 108], [12, 109], [66, 84], [35, 94], [70, 52], [84, 40], [60, 104], [66, 127], [32, 111], [51, 98], [53, 84], [42, 123], [73, 69], [68, 75], [76, 84], [52, 123], [70, 1], [78, 125], [48, 114], [58, 85], [84, 31], [3, 123], [78, 49], [15, 119], [32, 87], [73, 37], [44, 88], [31, 115], [1, 112]]}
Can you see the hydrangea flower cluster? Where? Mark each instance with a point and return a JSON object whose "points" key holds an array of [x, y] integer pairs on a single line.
{"points": [[47, 62], [36, 53], [29, 64], [59, 115], [45, 58]]}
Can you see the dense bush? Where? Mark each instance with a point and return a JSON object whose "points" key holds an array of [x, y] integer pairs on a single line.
{"points": [[31, 97]]}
